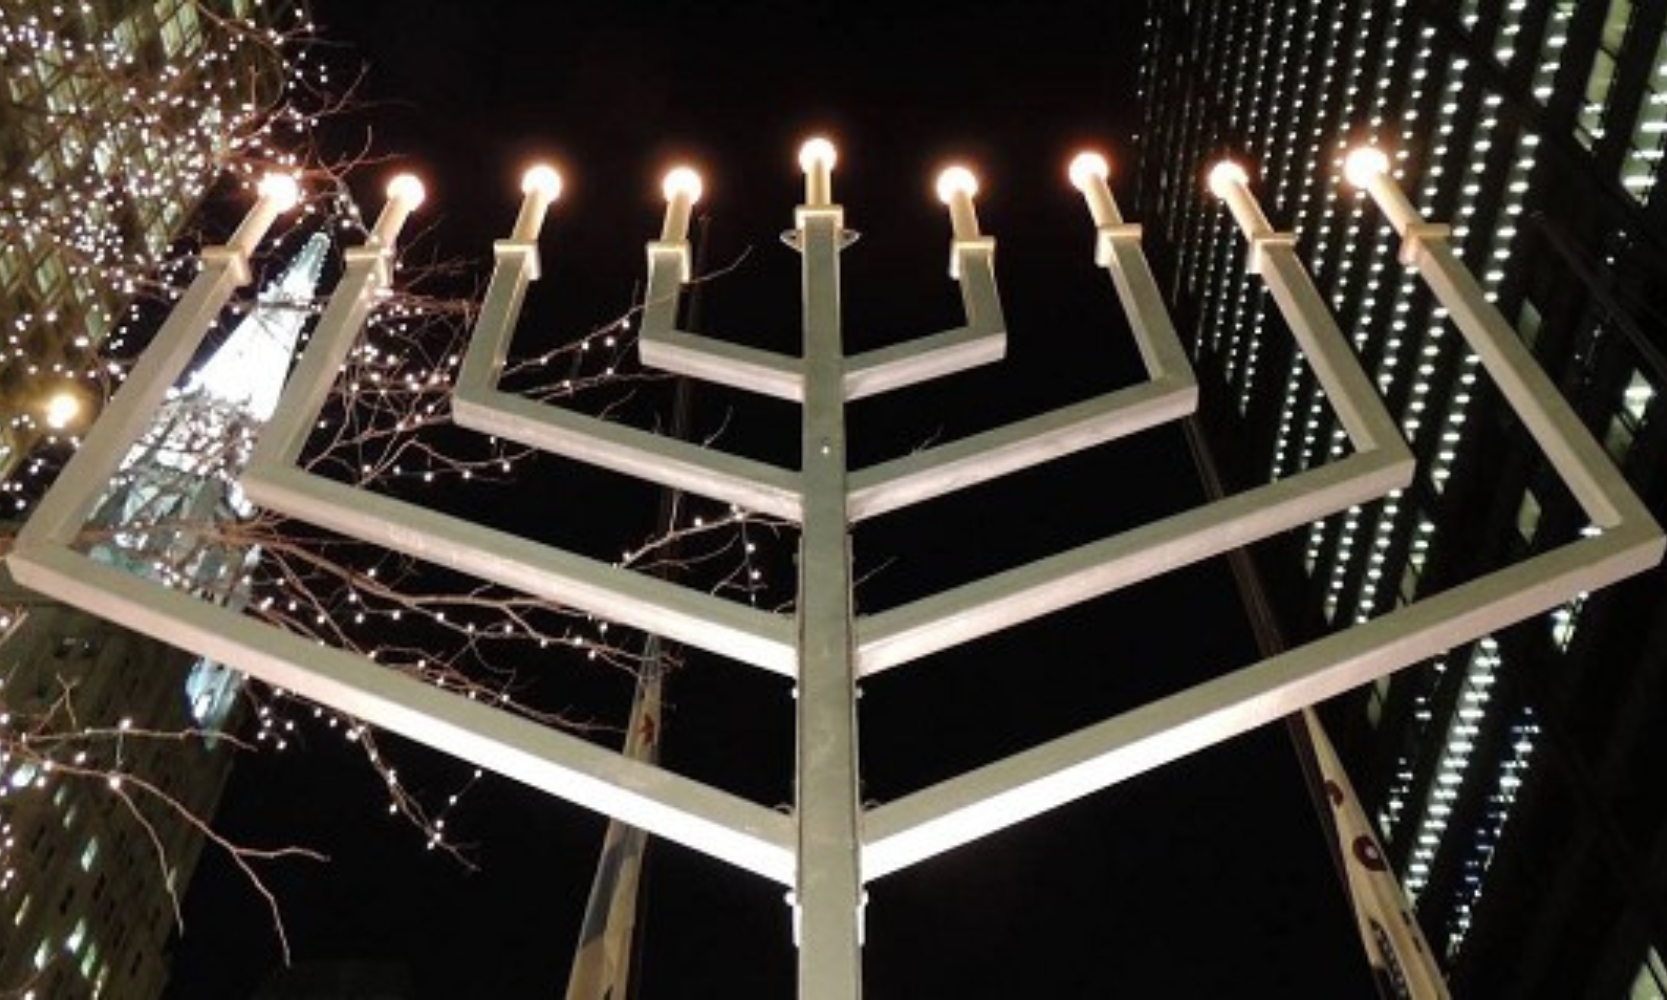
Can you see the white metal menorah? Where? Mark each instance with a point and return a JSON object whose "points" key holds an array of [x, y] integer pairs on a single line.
{"points": [[830, 846]]}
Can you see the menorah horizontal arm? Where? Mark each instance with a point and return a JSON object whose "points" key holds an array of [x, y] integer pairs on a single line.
{"points": [[735, 830], [1172, 393], [999, 795], [477, 404], [981, 341], [629, 598], [980, 458], [1015, 596]]}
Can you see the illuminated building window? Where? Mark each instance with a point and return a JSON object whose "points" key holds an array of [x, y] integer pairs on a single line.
{"points": [[22, 910], [1602, 76], [77, 937], [1642, 163], [1626, 422], [1528, 516], [1564, 621], [89, 855], [1529, 321], [1376, 697]]}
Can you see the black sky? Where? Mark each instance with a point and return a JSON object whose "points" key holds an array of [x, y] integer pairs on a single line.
{"points": [[1208, 878]]}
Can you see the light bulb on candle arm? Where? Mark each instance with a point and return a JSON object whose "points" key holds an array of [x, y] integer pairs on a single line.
{"points": [[541, 185], [543, 180], [956, 180], [1085, 167], [405, 193], [408, 189], [682, 181], [1223, 177], [1363, 164], [682, 189], [816, 158], [817, 151], [281, 189]]}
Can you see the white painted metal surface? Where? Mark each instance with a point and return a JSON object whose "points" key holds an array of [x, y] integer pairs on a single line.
{"points": [[829, 848]]}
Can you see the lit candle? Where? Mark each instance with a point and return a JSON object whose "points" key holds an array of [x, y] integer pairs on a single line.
{"points": [[682, 189], [405, 193], [1368, 168], [541, 185], [1088, 174], [816, 158], [278, 193], [956, 186], [1230, 183]]}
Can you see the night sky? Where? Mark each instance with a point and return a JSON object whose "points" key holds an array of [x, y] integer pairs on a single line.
{"points": [[1207, 878]]}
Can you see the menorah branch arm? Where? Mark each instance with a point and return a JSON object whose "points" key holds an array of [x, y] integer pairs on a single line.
{"points": [[66, 506], [749, 484], [1602, 492], [1360, 410], [981, 458], [983, 340], [732, 829], [722, 362], [284, 435], [635, 599], [1015, 596], [967, 807], [1118, 251], [478, 405], [662, 345]]}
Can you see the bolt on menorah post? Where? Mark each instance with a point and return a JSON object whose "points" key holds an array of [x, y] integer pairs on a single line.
{"points": [[831, 847]]}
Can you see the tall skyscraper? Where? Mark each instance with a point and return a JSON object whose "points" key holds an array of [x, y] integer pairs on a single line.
{"points": [[114, 761], [1516, 781]]}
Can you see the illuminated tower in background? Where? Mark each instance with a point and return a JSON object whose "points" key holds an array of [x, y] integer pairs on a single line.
{"points": [[84, 901], [1515, 781]]}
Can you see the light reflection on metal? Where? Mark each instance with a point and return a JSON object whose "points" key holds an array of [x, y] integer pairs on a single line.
{"points": [[830, 847]]}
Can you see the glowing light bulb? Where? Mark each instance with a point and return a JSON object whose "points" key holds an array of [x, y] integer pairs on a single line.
{"points": [[542, 180], [61, 409], [682, 181], [1224, 176], [817, 158], [406, 188], [816, 152], [956, 181], [405, 193], [541, 185], [281, 189], [682, 189], [1085, 167], [1363, 164]]}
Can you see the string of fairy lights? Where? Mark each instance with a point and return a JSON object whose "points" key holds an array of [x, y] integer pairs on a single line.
{"points": [[96, 250]]}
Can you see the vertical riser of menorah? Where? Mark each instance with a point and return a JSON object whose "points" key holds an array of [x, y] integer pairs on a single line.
{"points": [[828, 898]]}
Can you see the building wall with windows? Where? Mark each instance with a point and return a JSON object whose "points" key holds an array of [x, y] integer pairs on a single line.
{"points": [[85, 906], [1516, 781], [116, 116]]}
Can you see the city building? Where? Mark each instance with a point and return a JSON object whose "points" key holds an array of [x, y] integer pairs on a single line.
{"points": [[109, 761], [1515, 781], [120, 115]]}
